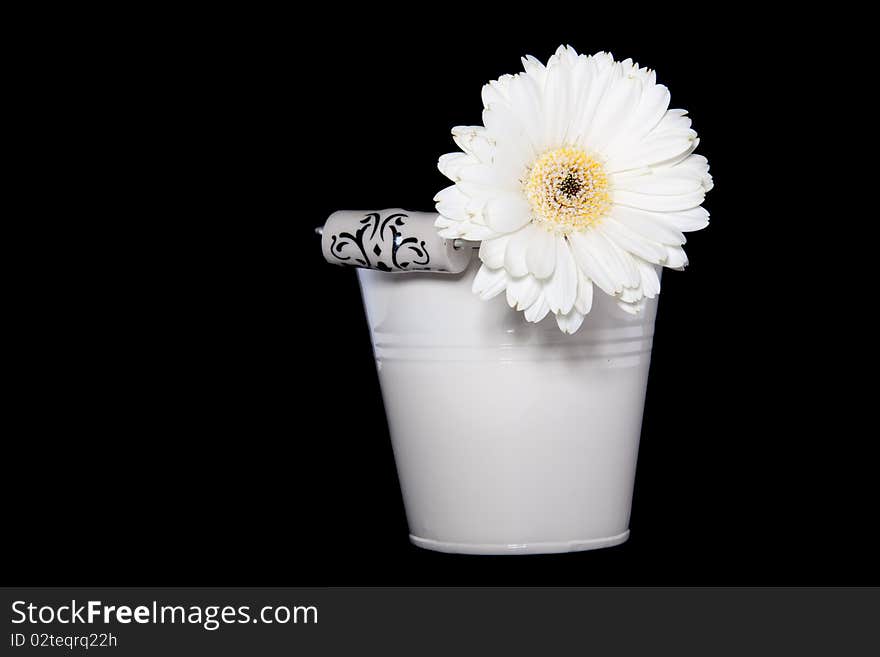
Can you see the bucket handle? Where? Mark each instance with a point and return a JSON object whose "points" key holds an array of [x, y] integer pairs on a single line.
{"points": [[393, 241]]}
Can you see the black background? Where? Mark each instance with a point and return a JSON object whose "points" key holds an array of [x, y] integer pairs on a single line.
{"points": [[194, 400]]}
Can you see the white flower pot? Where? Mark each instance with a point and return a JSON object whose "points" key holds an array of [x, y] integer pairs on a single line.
{"points": [[509, 437]]}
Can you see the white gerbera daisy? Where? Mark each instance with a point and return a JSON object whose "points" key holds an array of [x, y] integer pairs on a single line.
{"points": [[580, 175]]}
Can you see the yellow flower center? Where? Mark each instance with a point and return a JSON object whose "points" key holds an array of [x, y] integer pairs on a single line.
{"points": [[568, 190]]}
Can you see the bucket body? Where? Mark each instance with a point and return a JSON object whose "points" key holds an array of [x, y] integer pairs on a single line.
{"points": [[509, 437]]}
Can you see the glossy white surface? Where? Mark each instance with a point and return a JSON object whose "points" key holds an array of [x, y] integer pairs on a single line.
{"points": [[509, 437]]}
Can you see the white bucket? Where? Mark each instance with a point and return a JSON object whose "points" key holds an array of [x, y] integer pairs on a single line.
{"points": [[509, 437]]}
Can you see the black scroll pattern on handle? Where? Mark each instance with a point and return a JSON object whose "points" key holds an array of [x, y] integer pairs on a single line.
{"points": [[381, 244]]}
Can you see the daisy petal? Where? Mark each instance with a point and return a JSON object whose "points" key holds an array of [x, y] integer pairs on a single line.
{"points": [[464, 230], [541, 253], [476, 179], [632, 294], [600, 78], [647, 224], [608, 255], [584, 300], [561, 289], [538, 310], [557, 113], [451, 164], [583, 248], [688, 220], [660, 202], [632, 241], [507, 213], [525, 101], [515, 253], [650, 279], [534, 68], [570, 322], [653, 106], [452, 203], [473, 140], [676, 257], [654, 150], [698, 167], [523, 292], [663, 182], [502, 125], [614, 112], [629, 270], [492, 251], [673, 120], [489, 283]]}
